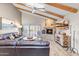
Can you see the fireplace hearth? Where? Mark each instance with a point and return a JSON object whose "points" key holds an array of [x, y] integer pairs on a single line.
{"points": [[49, 31]]}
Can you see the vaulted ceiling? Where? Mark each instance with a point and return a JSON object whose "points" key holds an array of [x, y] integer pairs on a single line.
{"points": [[54, 11]]}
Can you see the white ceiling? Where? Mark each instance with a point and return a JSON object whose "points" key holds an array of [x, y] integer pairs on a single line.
{"points": [[55, 10]]}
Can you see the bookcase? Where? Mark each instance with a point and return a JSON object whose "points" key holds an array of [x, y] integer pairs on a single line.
{"points": [[61, 36]]}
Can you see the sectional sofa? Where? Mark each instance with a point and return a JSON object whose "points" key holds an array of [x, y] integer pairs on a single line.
{"points": [[20, 47]]}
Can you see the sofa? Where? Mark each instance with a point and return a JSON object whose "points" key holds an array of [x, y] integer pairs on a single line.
{"points": [[20, 47]]}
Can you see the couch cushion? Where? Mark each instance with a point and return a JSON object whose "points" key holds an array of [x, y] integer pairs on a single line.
{"points": [[7, 42], [32, 43], [1, 37], [11, 37]]}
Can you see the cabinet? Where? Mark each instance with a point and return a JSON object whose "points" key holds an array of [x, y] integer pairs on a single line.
{"points": [[66, 41], [59, 39], [62, 30], [63, 40]]}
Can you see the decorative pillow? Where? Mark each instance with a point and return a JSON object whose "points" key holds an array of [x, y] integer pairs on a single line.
{"points": [[11, 37], [16, 35], [25, 38], [1, 37]]}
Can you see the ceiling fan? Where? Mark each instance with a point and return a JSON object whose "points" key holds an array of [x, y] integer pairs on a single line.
{"points": [[36, 7]]}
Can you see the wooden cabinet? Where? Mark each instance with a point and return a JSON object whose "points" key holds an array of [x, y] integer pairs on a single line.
{"points": [[65, 41], [62, 29]]}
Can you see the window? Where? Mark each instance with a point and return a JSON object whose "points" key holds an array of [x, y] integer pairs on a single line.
{"points": [[31, 30]]}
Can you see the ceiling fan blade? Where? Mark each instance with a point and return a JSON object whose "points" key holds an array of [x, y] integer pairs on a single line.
{"points": [[33, 10]]}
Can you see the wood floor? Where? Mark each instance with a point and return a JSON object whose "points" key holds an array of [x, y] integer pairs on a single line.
{"points": [[57, 50]]}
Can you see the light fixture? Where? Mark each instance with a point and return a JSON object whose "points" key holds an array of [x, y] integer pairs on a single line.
{"points": [[36, 6], [33, 10]]}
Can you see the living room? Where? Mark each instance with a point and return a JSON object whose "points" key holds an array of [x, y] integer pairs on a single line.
{"points": [[39, 29]]}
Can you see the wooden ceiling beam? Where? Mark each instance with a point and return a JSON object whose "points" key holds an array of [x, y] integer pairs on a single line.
{"points": [[23, 5], [48, 12], [55, 14], [36, 13], [63, 7]]}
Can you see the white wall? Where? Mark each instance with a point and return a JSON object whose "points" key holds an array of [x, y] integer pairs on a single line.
{"points": [[31, 19], [74, 22], [7, 10], [28, 19]]}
